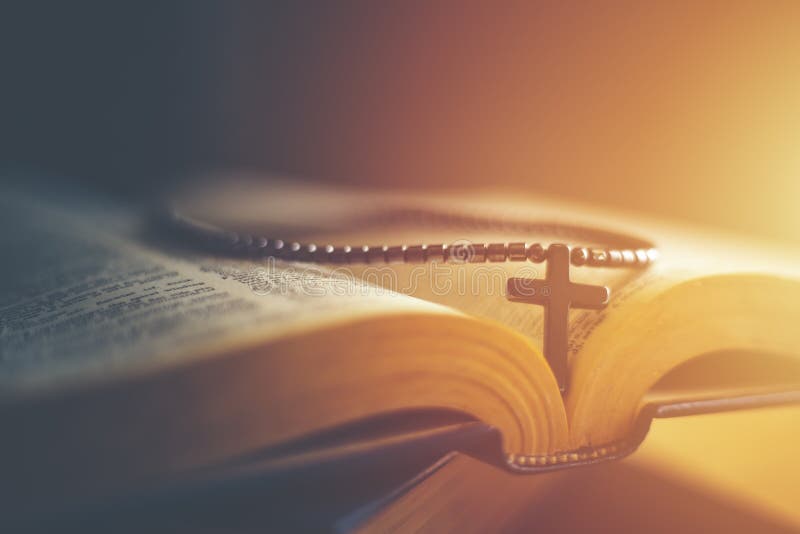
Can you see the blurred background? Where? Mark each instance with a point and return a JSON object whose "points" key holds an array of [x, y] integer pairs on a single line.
{"points": [[686, 110]]}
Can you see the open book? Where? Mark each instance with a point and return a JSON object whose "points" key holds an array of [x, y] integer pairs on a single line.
{"points": [[130, 357]]}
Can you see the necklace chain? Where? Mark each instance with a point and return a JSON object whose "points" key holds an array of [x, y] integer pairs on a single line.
{"points": [[619, 251]]}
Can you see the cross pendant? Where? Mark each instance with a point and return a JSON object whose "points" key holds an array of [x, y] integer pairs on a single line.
{"points": [[557, 294]]}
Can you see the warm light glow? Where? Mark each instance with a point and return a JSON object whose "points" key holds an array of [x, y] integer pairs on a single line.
{"points": [[686, 110]]}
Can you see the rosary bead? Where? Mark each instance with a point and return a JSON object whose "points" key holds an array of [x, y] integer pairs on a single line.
{"points": [[322, 254], [614, 258], [290, 251], [479, 253], [496, 252], [598, 257], [306, 253], [537, 253], [246, 240], [231, 238], [276, 248], [579, 256], [435, 253], [517, 252], [376, 254], [396, 254], [257, 246], [628, 257], [357, 255], [339, 254], [415, 254], [459, 253]]}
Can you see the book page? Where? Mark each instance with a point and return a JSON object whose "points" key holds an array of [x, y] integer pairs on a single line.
{"points": [[480, 290], [197, 359], [78, 301]]}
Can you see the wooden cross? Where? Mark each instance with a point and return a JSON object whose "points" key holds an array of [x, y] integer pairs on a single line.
{"points": [[557, 294]]}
